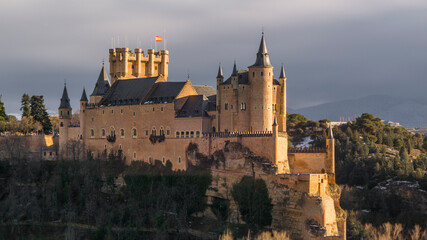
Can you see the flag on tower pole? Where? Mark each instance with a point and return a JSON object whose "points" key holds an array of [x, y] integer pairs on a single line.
{"points": [[159, 39]]}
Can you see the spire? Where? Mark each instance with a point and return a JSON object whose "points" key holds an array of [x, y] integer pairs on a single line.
{"points": [[220, 75], [234, 74], [102, 84], [275, 121], [262, 57], [84, 97], [65, 101], [330, 133], [282, 72]]}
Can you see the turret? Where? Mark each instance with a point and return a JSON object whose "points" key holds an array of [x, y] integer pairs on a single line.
{"points": [[164, 54], [83, 104], [65, 112], [219, 81], [101, 87], [282, 116], [234, 77], [261, 81], [330, 149]]}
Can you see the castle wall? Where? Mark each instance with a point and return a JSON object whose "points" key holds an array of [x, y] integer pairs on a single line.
{"points": [[308, 162]]}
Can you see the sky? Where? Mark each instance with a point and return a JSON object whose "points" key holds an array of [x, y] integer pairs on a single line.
{"points": [[332, 49]]}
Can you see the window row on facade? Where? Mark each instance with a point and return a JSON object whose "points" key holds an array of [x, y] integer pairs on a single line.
{"points": [[134, 132]]}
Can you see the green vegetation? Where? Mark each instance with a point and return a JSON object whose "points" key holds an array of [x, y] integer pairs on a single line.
{"points": [[3, 116], [156, 202], [39, 113], [25, 105], [253, 201]]}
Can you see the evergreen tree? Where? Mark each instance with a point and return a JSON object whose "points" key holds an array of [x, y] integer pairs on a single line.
{"points": [[39, 113], [3, 116], [25, 105]]}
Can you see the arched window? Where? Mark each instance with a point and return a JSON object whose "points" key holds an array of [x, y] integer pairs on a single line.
{"points": [[112, 131], [192, 134], [197, 134], [187, 134], [153, 131], [177, 135], [168, 131], [161, 131], [182, 134], [102, 132], [92, 133]]}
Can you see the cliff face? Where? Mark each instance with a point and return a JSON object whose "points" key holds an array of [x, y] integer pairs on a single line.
{"points": [[302, 214]]}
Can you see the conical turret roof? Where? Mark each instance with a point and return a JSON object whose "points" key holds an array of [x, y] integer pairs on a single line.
{"points": [[102, 85], [220, 74], [262, 57], [234, 74], [84, 97], [65, 101], [282, 72]]}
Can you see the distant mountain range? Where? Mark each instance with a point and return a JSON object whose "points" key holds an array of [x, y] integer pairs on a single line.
{"points": [[408, 112]]}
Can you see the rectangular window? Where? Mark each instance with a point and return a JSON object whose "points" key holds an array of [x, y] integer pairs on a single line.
{"points": [[197, 134], [146, 132], [177, 134], [226, 106]]}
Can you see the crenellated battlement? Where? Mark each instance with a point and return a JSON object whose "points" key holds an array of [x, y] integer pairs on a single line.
{"points": [[124, 64], [238, 134]]}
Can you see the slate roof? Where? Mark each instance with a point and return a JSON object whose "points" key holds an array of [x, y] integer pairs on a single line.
{"points": [[65, 100], [242, 77], [164, 92], [205, 90], [128, 91], [262, 57], [194, 106], [102, 84], [84, 97]]}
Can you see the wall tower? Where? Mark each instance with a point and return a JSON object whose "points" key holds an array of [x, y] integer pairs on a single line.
{"points": [[282, 104], [65, 112], [261, 81]]}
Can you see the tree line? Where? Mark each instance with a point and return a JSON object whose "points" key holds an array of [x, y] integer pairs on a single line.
{"points": [[34, 118]]}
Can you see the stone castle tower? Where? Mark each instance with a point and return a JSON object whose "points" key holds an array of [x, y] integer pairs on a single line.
{"points": [[249, 100]]}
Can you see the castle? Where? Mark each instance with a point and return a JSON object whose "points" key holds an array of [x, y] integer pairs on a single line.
{"points": [[148, 118]]}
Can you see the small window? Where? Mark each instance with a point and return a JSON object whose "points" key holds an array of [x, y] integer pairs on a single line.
{"points": [[153, 109], [120, 146], [197, 134], [121, 110], [253, 74], [50, 153], [134, 154], [163, 160], [168, 132], [155, 68], [112, 111], [161, 109], [105, 146], [44, 153], [62, 124], [150, 160], [134, 132], [182, 134], [187, 134], [102, 111], [122, 133], [226, 106], [177, 135], [133, 113], [154, 132], [92, 133], [231, 106], [161, 131], [179, 159], [146, 132], [192, 134], [103, 132], [262, 74]]}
